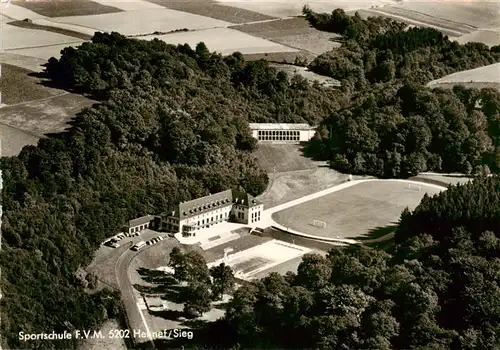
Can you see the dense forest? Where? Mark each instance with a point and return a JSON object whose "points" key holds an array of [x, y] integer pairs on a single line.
{"points": [[172, 124], [438, 289], [393, 125]]}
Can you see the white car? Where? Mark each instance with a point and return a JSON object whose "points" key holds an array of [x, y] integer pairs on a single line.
{"points": [[159, 238], [115, 245]]}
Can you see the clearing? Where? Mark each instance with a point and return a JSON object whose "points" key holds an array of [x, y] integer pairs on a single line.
{"points": [[212, 9], [294, 32], [13, 140], [356, 210], [66, 8], [304, 72], [222, 40], [487, 76]]}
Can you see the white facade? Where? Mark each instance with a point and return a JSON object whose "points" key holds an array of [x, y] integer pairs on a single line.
{"points": [[193, 216], [282, 133]]}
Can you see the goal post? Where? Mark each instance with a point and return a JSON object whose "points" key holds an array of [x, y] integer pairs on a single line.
{"points": [[319, 223], [413, 187]]}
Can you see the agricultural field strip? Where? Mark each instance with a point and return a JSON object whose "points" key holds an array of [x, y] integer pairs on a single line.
{"points": [[130, 5], [449, 32], [428, 19], [488, 74]]}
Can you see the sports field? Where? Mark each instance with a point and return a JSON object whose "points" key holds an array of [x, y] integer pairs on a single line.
{"points": [[247, 264], [354, 211]]}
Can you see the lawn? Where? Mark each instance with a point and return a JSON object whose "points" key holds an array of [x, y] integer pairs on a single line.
{"points": [[66, 7], [486, 74], [279, 158], [354, 211]]}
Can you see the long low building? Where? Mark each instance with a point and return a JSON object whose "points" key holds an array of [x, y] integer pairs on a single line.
{"points": [[282, 132], [230, 205]]}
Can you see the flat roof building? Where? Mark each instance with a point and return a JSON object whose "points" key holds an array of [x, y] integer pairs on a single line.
{"points": [[282, 132], [140, 224]]}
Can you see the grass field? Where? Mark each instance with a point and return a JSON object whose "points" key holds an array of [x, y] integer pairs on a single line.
{"points": [[294, 32], [354, 211], [17, 86], [281, 157], [66, 8], [222, 40], [482, 75], [44, 52], [143, 22], [45, 116], [212, 9]]}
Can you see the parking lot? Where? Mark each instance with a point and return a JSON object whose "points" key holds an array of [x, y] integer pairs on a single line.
{"points": [[106, 257]]}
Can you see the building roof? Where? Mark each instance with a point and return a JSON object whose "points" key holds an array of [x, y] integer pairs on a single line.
{"points": [[281, 126], [211, 202], [140, 221]]}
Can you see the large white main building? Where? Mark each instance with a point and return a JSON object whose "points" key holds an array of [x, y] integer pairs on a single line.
{"points": [[230, 205], [282, 133]]}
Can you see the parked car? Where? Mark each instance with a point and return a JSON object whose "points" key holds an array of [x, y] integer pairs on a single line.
{"points": [[160, 238], [115, 245], [135, 234]]}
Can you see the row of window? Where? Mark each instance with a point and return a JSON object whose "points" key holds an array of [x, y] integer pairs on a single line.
{"points": [[255, 216], [139, 228], [279, 138], [278, 133]]}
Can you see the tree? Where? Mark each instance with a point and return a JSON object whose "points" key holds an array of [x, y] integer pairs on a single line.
{"points": [[179, 263], [222, 280], [197, 298]]}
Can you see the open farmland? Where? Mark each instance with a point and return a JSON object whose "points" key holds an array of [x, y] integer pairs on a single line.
{"points": [[294, 32], [222, 40], [66, 7], [212, 9], [487, 76], [129, 5], [20, 38], [143, 22], [13, 140], [288, 8], [486, 36], [479, 14], [17, 86], [44, 116], [30, 63], [50, 28], [355, 210], [43, 52]]}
